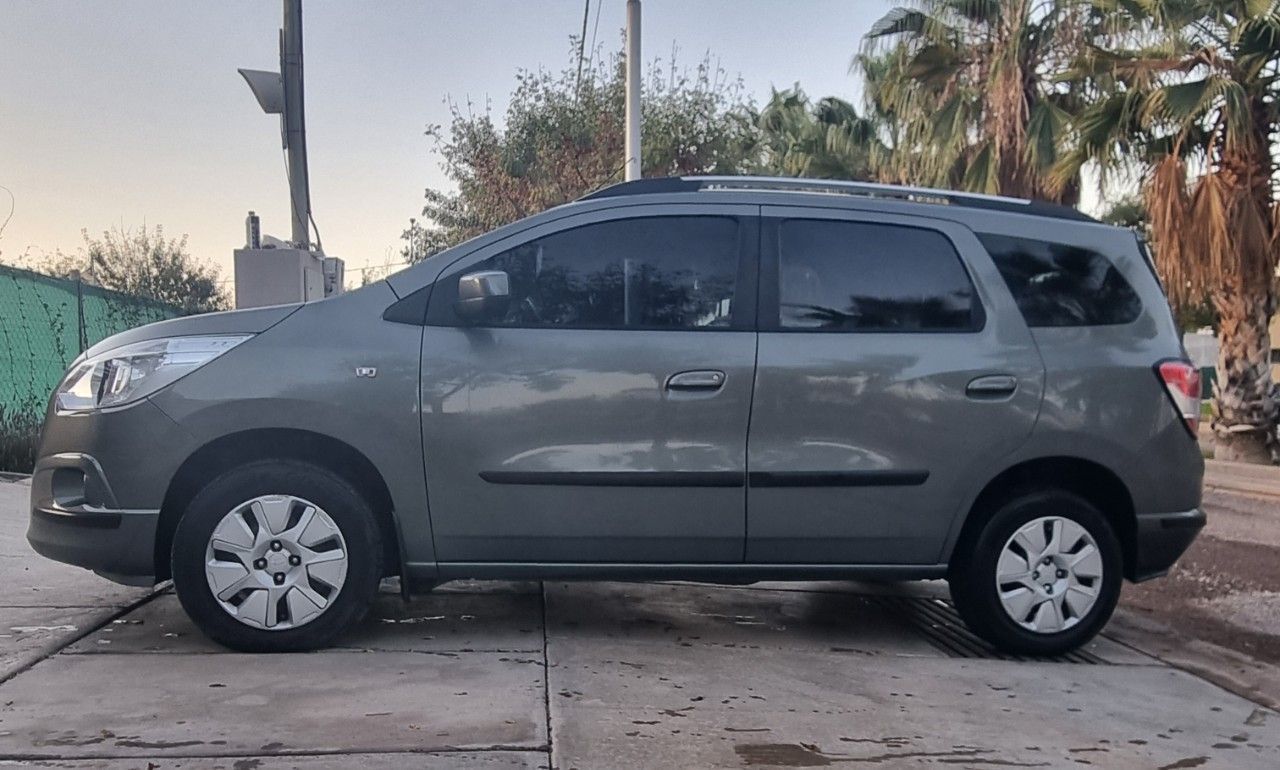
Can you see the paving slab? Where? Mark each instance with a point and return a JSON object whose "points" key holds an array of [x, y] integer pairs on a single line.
{"points": [[30, 580], [15, 496], [716, 707], [498, 622], [179, 705], [690, 615], [28, 634], [34, 581], [44, 604], [905, 598], [448, 760]]}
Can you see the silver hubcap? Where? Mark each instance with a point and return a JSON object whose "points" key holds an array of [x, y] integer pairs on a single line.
{"points": [[276, 562], [1049, 574]]}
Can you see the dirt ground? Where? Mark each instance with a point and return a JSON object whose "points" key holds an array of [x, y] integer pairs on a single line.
{"points": [[1226, 589]]}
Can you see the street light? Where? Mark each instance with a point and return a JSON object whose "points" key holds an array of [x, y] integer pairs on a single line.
{"points": [[281, 94]]}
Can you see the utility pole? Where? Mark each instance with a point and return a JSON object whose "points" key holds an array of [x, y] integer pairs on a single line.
{"points": [[295, 137], [269, 274], [632, 146]]}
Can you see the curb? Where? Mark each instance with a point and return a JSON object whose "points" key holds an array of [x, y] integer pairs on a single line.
{"points": [[1233, 671]]}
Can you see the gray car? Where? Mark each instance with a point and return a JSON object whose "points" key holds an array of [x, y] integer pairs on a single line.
{"points": [[717, 379]]}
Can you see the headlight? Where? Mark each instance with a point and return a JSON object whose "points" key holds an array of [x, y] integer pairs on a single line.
{"points": [[135, 371]]}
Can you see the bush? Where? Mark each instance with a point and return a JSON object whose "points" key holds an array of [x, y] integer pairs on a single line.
{"points": [[19, 436]]}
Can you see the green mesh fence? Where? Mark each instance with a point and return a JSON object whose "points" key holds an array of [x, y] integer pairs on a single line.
{"points": [[45, 323]]}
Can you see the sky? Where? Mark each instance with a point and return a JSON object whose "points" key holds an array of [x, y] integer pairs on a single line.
{"points": [[117, 113]]}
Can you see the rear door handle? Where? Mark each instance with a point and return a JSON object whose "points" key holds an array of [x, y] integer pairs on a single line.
{"points": [[992, 386], [698, 379]]}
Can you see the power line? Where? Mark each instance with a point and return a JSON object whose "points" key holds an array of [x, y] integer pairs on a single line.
{"points": [[13, 206], [319, 246], [582, 44], [595, 28], [379, 267]]}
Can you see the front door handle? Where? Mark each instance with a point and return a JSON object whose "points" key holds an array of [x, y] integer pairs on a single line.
{"points": [[698, 379], [992, 386]]}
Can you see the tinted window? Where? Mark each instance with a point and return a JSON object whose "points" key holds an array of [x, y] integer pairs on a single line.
{"points": [[854, 276], [1059, 285], [651, 272]]}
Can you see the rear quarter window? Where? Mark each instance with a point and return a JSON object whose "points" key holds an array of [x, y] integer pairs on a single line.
{"points": [[1056, 284]]}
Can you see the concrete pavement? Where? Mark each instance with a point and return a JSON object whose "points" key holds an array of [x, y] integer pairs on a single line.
{"points": [[42, 603], [522, 675]]}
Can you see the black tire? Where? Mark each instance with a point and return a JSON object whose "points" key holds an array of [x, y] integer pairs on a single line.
{"points": [[973, 574], [344, 505]]}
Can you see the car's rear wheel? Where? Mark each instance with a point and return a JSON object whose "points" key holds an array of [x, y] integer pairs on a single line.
{"points": [[276, 556], [1043, 575]]}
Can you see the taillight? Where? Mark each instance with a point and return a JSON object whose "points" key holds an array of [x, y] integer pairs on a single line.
{"points": [[1182, 383]]}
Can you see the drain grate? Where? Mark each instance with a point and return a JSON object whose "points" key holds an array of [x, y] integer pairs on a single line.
{"points": [[938, 621]]}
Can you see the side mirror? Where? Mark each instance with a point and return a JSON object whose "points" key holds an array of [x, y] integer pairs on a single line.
{"points": [[483, 296]]}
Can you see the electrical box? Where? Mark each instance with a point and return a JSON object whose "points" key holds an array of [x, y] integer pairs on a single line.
{"points": [[278, 276]]}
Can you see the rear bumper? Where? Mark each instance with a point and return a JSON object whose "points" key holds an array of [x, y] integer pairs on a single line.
{"points": [[1160, 539]]}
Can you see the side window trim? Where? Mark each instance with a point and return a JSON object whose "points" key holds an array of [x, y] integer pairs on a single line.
{"points": [[745, 299], [769, 309]]}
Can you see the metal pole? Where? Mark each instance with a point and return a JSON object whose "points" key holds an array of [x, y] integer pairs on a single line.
{"points": [[632, 146], [294, 123], [81, 338]]}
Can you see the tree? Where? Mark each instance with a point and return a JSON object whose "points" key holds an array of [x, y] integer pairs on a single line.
{"points": [[1127, 211], [143, 263], [967, 93], [562, 137], [1131, 211], [1184, 92], [827, 140]]}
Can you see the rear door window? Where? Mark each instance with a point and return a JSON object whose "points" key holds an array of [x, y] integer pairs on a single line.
{"points": [[1056, 284], [847, 276]]}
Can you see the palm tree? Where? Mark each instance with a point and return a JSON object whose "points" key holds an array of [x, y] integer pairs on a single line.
{"points": [[1185, 92], [827, 140], [966, 89]]}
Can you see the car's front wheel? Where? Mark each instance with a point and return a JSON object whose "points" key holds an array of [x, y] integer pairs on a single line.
{"points": [[276, 556], [1043, 575]]}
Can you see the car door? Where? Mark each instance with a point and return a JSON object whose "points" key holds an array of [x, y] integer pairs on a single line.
{"points": [[892, 375], [603, 418]]}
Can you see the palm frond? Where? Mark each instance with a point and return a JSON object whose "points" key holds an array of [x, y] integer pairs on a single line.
{"points": [[980, 174], [1165, 194], [899, 21], [977, 11], [1187, 102], [1045, 128]]}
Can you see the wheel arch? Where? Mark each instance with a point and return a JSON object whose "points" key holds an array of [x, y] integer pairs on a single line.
{"points": [[1090, 480], [235, 449]]}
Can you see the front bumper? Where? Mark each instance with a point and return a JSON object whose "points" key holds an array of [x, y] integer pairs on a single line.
{"points": [[118, 545], [98, 486], [1160, 539]]}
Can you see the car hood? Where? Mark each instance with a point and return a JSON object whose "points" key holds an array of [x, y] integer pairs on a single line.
{"points": [[249, 321]]}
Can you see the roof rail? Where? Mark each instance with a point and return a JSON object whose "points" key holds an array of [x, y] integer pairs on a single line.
{"points": [[674, 184]]}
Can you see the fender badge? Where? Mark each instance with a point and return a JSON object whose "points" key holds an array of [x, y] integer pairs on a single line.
{"points": [[366, 371]]}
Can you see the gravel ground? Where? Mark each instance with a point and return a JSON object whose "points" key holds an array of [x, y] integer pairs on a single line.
{"points": [[1226, 589]]}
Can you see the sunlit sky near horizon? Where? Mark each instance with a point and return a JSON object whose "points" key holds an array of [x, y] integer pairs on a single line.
{"points": [[116, 113]]}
